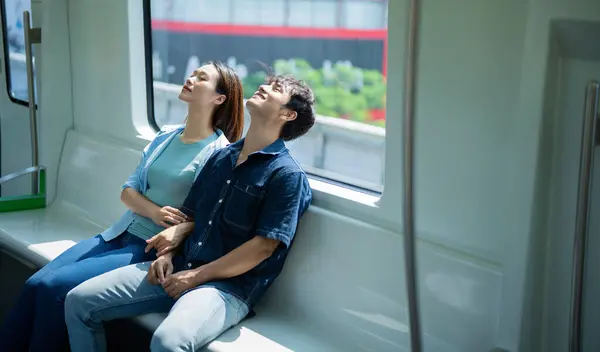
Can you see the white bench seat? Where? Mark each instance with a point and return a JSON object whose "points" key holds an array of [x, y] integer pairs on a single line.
{"points": [[265, 332], [41, 235], [90, 176]]}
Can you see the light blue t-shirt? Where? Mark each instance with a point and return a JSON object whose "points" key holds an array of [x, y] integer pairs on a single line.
{"points": [[170, 178]]}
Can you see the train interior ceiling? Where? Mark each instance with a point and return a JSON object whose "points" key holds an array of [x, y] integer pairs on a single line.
{"points": [[501, 92]]}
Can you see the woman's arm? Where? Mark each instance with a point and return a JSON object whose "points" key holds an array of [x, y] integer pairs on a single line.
{"points": [[164, 216], [139, 204], [170, 239]]}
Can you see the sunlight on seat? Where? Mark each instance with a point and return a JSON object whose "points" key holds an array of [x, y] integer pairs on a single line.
{"points": [[51, 250], [251, 340]]}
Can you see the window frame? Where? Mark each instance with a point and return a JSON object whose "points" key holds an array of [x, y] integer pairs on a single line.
{"points": [[313, 173], [7, 71], [147, 16]]}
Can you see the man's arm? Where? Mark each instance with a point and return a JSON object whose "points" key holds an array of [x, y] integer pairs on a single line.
{"points": [[234, 263], [238, 261]]}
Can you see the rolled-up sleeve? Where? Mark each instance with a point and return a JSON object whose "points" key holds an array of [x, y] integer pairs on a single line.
{"points": [[133, 181], [286, 199]]}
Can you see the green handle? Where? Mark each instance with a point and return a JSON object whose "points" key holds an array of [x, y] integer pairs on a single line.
{"points": [[26, 202]]}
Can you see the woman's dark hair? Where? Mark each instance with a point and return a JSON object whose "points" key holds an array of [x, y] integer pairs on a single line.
{"points": [[229, 116]]}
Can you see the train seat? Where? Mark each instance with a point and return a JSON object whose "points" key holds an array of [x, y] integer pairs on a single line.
{"points": [[89, 183]]}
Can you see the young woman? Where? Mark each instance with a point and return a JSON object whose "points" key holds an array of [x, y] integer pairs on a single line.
{"points": [[153, 194]]}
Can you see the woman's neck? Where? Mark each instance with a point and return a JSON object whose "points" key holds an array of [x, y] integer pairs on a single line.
{"points": [[198, 126]]}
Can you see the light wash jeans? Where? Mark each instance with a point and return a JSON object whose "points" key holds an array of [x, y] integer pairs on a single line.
{"points": [[195, 319]]}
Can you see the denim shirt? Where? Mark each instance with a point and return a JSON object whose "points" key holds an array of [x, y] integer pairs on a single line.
{"points": [[264, 196], [139, 178]]}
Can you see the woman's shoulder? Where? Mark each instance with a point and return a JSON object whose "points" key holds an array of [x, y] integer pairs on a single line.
{"points": [[221, 141], [170, 128], [166, 130], [214, 147], [161, 136]]}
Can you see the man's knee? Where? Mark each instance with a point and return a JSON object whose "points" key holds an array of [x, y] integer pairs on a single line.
{"points": [[77, 304], [171, 339]]}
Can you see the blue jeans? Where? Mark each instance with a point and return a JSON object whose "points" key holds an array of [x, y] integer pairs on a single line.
{"points": [[36, 322], [195, 319]]}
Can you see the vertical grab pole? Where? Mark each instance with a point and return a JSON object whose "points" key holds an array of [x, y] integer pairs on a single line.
{"points": [[588, 142], [32, 36], [408, 172]]}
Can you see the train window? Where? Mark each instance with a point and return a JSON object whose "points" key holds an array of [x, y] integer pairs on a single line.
{"points": [[14, 48], [340, 54]]}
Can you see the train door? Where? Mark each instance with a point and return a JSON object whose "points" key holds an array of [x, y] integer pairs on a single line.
{"points": [[585, 305], [15, 127], [572, 279]]}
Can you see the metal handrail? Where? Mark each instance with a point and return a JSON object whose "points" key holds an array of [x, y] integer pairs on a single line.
{"points": [[20, 173], [408, 151], [32, 36], [588, 143]]}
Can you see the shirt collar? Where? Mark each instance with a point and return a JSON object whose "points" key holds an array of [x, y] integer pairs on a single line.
{"points": [[274, 148]]}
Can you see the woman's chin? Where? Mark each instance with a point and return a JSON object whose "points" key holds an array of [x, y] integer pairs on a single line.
{"points": [[184, 97]]}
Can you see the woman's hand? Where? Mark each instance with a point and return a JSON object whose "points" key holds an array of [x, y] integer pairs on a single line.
{"points": [[160, 269], [169, 239], [168, 216]]}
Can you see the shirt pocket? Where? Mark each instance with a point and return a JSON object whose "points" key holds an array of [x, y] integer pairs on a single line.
{"points": [[241, 208]]}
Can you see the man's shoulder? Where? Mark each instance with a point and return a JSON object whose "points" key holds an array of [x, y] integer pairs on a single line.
{"points": [[288, 179], [287, 168], [286, 163]]}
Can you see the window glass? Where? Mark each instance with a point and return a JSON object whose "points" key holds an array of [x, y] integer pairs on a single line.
{"points": [[342, 56], [14, 48]]}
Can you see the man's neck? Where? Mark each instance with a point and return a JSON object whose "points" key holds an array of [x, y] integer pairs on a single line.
{"points": [[258, 137]]}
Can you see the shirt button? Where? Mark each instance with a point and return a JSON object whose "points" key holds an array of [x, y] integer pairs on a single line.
{"points": [[228, 181], [209, 222], [189, 265], [199, 243], [220, 200]]}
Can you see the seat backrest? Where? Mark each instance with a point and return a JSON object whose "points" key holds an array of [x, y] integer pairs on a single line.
{"points": [[90, 176], [345, 277]]}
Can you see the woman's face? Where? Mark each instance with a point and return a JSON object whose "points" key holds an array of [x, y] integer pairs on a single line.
{"points": [[200, 87]]}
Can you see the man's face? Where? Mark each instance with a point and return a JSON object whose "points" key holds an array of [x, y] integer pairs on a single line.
{"points": [[269, 102]]}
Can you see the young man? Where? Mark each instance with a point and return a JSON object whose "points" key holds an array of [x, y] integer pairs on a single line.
{"points": [[245, 207]]}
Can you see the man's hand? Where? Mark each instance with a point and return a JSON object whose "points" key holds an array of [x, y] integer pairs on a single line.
{"points": [[169, 239], [160, 269], [168, 216], [180, 282]]}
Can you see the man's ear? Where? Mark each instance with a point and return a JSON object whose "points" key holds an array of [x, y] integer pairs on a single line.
{"points": [[289, 115]]}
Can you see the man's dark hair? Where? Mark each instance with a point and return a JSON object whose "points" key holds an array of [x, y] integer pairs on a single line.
{"points": [[302, 101]]}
